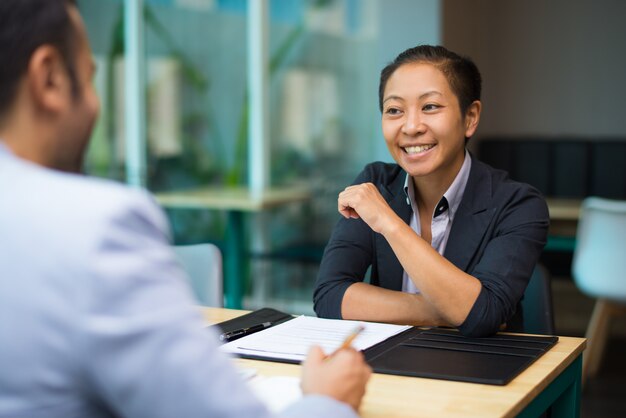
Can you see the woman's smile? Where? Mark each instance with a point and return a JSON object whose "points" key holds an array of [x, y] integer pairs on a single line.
{"points": [[418, 149]]}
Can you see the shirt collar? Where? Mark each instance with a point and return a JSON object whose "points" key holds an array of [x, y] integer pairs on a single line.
{"points": [[451, 199], [5, 151], [3, 148]]}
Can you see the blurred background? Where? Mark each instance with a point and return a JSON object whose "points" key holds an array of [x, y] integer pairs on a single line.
{"points": [[553, 116]]}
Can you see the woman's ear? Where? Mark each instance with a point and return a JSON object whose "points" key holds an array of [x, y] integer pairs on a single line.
{"points": [[472, 117], [48, 79]]}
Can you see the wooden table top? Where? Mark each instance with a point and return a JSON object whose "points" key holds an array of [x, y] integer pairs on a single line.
{"points": [[399, 396], [232, 198], [564, 209]]}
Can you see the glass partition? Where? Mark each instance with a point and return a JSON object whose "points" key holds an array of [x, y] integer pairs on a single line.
{"points": [[323, 119], [104, 24]]}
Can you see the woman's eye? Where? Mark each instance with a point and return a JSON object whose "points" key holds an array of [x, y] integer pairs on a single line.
{"points": [[392, 111], [430, 107]]}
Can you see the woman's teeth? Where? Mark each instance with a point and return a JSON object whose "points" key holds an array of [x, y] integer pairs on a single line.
{"points": [[418, 149]]}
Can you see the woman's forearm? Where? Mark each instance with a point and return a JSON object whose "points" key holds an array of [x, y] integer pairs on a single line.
{"points": [[365, 302], [450, 291]]}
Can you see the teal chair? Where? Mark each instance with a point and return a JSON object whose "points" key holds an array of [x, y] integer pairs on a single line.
{"points": [[203, 265], [537, 303], [599, 270]]}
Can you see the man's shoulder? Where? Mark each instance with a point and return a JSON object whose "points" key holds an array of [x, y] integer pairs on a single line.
{"points": [[66, 186], [75, 202], [98, 193]]}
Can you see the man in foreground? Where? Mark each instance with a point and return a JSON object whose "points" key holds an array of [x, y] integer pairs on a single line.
{"points": [[96, 318]]}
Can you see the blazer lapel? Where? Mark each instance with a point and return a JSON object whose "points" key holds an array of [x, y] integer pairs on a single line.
{"points": [[389, 264], [472, 218]]}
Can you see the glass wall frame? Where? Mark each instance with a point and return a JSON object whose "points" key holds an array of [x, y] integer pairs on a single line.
{"points": [[192, 111]]}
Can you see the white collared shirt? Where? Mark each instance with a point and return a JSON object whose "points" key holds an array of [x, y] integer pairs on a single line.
{"points": [[442, 216]]}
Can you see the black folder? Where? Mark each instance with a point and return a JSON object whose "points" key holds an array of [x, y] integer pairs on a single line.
{"points": [[436, 353], [253, 318]]}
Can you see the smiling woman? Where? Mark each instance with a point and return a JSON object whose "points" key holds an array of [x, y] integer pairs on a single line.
{"points": [[423, 124], [450, 240]]}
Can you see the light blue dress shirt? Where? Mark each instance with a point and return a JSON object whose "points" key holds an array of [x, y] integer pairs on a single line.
{"points": [[96, 317]]}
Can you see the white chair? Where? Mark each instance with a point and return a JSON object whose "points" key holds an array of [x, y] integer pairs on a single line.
{"points": [[599, 270], [203, 265]]}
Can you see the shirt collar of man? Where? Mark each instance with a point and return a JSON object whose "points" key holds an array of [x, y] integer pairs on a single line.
{"points": [[451, 199]]}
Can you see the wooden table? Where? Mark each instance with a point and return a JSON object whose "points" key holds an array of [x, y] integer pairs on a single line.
{"points": [[564, 209], [553, 380], [236, 201], [564, 215]]}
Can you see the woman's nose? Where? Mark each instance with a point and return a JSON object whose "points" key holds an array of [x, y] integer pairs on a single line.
{"points": [[413, 124]]}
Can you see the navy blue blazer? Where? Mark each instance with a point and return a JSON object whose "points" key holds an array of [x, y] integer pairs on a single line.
{"points": [[497, 235]]}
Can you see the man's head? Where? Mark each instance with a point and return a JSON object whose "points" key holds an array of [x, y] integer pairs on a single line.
{"points": [[47, 102]]}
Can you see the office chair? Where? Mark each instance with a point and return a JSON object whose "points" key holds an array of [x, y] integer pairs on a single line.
{"points": [[599, 270], [203, 265], [537, 303]]}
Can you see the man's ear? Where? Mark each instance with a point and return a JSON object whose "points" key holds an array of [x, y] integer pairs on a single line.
{"points": [[472, 117], [48, 79]]}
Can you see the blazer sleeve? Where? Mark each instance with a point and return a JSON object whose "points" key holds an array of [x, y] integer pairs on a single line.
{"points": [[347, 256], [145, 350], [507, 261]]}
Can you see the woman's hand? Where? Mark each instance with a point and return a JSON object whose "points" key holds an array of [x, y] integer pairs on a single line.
{"points": [[365, 201]]}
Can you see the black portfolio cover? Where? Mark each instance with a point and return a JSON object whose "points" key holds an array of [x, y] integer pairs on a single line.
{"points": [[435, 352], [253, 318], [446, 354]]}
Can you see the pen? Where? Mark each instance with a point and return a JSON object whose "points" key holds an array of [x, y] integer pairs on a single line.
{"points": [[348, 341], [238, 333]]}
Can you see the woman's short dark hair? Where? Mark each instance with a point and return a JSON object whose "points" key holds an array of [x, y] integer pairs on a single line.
{"points": [[25, 25], [461, 72]]}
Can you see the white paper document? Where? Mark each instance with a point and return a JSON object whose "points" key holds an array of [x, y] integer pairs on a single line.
{"points": [[291, 340], [276, 392]]}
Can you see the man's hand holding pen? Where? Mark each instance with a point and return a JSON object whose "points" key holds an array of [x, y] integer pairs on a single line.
{"points": [[347, 343], [342, 375]]}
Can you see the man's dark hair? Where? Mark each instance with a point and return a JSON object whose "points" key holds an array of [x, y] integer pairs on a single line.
{"points": [[461, 72], [25, 25]]}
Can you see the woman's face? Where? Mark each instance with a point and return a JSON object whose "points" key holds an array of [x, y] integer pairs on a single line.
{"points": [[422, 123]]}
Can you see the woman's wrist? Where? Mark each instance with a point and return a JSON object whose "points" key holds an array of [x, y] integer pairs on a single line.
{"points": [[392, 227]]}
